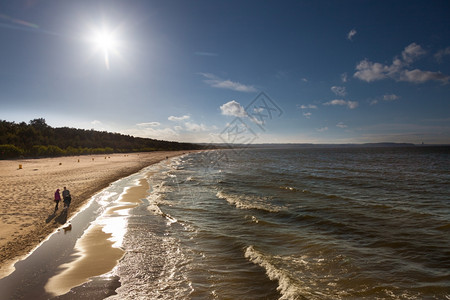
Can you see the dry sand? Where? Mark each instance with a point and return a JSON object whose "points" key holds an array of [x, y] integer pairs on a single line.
{"points": [[26, 193]]}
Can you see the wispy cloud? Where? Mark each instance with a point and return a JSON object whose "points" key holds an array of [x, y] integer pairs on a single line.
{"points": [[441, 54], [281, 75], [369, 71], [418, 76], [341, 125], [149, 124], [177, 119], [216, 82], [349, 104], [344, 77], [96, 122], [184, 124], [339, 90], [387, 97], [307, 114], [322, 129], [309, 106], [390, 97], [351, 34], [184, 130], [194, 127]]}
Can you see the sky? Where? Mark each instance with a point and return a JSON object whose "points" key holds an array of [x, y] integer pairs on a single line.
{"points": [[231, 71]]}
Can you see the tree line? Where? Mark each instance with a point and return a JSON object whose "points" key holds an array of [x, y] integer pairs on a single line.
{"points": [[37, 139]]}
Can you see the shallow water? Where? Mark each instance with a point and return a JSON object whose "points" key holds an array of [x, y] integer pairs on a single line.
{"points": [[345, 223]]}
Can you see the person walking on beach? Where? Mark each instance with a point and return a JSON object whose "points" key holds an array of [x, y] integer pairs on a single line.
{"points": [[57, 199], [67, 198]]}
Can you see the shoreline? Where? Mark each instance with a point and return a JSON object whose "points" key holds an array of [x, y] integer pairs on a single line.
{"points": [[26, 201], [98, 250]]}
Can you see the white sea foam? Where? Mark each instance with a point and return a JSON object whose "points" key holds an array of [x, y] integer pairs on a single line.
{"points": [[249, 202], [287, 286]]}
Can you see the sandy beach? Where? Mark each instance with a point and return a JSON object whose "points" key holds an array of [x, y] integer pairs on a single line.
{"points": [[27, 190]]}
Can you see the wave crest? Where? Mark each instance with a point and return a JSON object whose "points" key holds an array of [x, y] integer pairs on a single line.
{"points": [[249, 202], [287, 286]]}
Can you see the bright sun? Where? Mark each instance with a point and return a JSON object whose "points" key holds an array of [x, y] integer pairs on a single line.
{"points": [[104, 42]]}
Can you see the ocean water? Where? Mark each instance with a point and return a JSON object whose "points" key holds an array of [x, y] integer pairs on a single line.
{"points": [[324, 223]]}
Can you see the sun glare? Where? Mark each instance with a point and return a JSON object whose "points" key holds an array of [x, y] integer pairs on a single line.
{"points": [[105, 42]]}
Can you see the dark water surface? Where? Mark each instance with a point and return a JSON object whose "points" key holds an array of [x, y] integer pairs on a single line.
{"points": [[347, 223]]}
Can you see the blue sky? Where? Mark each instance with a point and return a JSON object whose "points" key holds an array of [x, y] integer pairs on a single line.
{"points": [[231, 71]]}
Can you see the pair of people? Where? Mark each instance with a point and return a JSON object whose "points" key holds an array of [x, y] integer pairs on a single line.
{"points": [[66, 198]]}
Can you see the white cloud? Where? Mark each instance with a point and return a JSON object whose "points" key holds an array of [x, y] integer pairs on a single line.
{"points": [[349, 104], [217, 82], [195, 127], [341, 125], [336, 102], [309, 106], [149, 124], [412, 52], [177, 119], [322, 129], [441, 53], [344, 77], [386, 97], [96, 122], [352, 104], [390, 97], [339, 90], [304, 80], [369, 71], [351, 34], [184, 131], [418, 76], [233, 108]]}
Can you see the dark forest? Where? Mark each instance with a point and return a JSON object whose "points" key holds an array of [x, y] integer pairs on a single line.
{"points": [[37, 139]]}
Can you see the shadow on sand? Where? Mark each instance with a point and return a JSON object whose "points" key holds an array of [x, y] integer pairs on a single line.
{"points": [[61, 219], [50, 217]]}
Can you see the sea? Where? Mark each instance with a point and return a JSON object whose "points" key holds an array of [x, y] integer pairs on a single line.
{"points": [[288, 223], [306, 223]]}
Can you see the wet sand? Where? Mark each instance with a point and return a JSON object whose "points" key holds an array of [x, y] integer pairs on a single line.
{"points": [[97, 250], [27, 187]]}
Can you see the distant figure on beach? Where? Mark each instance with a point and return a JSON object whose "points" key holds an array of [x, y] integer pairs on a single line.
{"points": [[67, 198], [57, 199]]}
